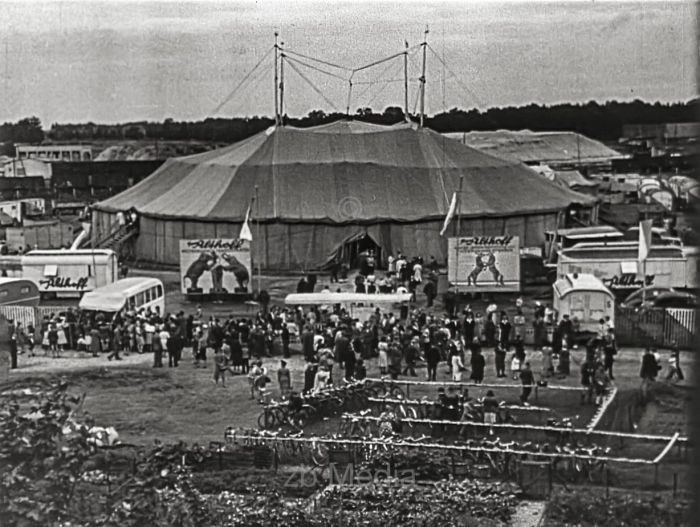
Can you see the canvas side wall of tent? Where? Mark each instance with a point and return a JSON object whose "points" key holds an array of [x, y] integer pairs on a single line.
{"points": [[297, 246]]}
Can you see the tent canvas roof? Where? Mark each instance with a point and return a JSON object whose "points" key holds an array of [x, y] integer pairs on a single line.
{"points": [[543, 147], [343, 172]]}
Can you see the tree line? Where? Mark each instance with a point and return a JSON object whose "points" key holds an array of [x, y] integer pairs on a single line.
{"points": [[599, 121]]}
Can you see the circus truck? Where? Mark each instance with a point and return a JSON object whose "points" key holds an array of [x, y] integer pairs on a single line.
{"points": [[617, 266], [67, 273]]}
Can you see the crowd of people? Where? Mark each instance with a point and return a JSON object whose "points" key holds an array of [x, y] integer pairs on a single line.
{"points": [[333, 344]]}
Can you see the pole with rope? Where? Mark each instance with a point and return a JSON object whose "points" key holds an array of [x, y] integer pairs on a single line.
{"points": [[458, 230], [405, 82], [282, 56], [277, 110], [422, 78], [257, 235]]}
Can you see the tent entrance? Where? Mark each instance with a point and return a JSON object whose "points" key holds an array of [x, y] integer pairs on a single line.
{"points": [[351, 249], [351, 252]]}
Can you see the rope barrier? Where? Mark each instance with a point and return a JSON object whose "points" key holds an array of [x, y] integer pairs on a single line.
{"points": [[534, 428], [431, 403], [436, 446], [602, 409], [668, 447], [460, 384]]}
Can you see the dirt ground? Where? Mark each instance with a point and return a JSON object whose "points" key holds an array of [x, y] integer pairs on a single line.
{"points": [[183, 403]]}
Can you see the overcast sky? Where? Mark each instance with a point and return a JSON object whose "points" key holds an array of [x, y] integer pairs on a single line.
{"points": [[118, 61]]}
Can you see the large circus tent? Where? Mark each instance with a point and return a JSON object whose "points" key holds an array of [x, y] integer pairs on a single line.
{"points": [[322, 189]]}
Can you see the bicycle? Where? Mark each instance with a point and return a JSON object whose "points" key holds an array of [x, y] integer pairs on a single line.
{"points": [[355, 425]]}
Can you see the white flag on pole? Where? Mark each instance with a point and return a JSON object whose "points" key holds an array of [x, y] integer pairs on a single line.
{"points": [[245, 229], [644, 239], [450, 214]]}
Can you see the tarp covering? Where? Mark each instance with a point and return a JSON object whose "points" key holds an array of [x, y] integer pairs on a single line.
{"points": [[319, 186], [539, 147]]}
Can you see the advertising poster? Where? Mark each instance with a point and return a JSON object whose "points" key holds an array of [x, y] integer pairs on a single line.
{"points": [[215, 266], [484, 263]]}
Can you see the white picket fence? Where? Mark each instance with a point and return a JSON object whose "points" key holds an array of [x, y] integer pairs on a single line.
{"points": [[29, 315]]}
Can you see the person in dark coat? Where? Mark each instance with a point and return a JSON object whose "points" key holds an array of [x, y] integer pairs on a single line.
{"points": [[430, 291], [307, 343], [234, 343], [468, 327], [609, 352], [395, 358], [285, 341], [500, 355], [649, 371], [587, 373], [540, 333], [504, 331], [360, 370], [411, 355], [478, 363], [566, 327], [432, 357]]}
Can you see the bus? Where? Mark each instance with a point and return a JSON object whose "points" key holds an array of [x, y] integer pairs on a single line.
{"points": [[18, 292], [130, 294]]}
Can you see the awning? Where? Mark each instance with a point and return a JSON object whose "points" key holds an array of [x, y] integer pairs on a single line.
{"points": [[298, 299]]}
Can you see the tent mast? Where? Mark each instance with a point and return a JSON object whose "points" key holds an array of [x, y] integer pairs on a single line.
{"points": [[277, 110], [282, 55], [422, 78], [405, 82]]}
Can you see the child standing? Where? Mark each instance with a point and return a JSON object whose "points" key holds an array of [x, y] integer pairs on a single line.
{"points": [[220, 367]]}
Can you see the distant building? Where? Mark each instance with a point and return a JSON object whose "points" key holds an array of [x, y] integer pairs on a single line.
{"points": [[23, 168], [559, 150], [20, 208], [662, 132], [55, 152]]}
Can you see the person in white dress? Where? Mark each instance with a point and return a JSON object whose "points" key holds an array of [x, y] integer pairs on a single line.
{"points": [[457, 367]]}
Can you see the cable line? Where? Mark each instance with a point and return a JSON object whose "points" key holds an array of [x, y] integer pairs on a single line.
{"points": [[317, 60], [313, 86], [242, 81], [316, 69]]}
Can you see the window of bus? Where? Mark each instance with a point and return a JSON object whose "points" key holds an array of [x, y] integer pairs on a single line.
{"points": [[159, 291], [149, 295]]}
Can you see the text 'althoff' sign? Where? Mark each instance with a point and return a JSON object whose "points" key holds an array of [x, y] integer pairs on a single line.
{"points": [[484, 263]]}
